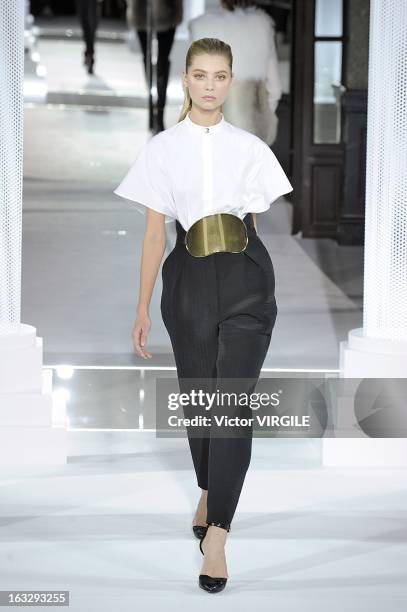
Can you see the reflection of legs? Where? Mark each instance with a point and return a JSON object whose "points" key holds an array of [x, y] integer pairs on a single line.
{"points": [[165, 41], [142, 36], [87, 12], [243, 345], [88, 16]]}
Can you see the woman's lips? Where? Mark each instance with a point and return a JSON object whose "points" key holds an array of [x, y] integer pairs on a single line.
{"points": [[209, 97]]}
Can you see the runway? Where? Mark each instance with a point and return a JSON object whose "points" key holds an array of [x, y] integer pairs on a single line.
{"points": [[114, 528]]}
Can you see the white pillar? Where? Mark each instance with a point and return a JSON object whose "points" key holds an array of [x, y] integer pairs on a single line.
{"points": [[379, 349], [27, 433]]}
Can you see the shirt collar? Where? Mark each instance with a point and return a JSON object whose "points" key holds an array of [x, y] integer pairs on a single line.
{"points": [[203, 129]]}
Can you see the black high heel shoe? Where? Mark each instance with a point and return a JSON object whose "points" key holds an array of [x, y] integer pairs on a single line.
{"points": [[200, 531], [212, 584], [89, 61]]}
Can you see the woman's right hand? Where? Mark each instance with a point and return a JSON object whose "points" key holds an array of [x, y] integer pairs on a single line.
{"points": [[139, 335]]}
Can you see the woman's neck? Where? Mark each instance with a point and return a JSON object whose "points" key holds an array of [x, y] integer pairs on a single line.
{"points": [[205, 118]]}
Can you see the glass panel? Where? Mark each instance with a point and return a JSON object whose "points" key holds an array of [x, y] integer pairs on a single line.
{"points": [[328, 17], [327, 92]]}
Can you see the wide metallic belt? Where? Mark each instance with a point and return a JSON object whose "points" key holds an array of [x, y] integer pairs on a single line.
{"points": [[218, 233]]}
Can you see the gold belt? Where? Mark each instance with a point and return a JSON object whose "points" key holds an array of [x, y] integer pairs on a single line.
{"points": [[218, 233]]}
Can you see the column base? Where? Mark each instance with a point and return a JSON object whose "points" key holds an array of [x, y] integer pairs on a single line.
{"points": [[364, 357], [29, 435]]}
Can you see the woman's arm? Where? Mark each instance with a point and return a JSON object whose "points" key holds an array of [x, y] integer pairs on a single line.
{"points": [[152, 253]]}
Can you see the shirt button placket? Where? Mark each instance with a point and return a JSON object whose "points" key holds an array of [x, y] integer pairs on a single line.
{"points": [[207, 172]]}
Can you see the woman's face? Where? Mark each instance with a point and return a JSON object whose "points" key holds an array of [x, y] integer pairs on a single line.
{"points": [[208, 80]]}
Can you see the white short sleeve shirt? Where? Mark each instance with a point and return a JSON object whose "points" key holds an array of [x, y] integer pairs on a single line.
{"points": [[189, 171]]}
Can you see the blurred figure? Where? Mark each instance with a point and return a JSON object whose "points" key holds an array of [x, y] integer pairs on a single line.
{"points": [[254, 95], [165, 16], [88, 13]]}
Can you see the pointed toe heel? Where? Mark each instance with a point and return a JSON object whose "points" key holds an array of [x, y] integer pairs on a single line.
{"points": [[199, 531], [210, 584]]}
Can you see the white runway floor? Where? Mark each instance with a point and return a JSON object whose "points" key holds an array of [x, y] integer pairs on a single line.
{"points": [[115, 530]]}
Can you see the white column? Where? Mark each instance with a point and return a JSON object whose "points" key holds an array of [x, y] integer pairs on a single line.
{"points": [[27, 433], [379, 349]]}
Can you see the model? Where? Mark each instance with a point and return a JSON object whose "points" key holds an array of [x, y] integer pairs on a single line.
{"points": [[218, 302]]}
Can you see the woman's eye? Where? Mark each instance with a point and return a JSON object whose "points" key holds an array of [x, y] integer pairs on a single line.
{"points": [[220, 76]]}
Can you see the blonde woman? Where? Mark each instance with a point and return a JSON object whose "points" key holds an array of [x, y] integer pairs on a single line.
{"points": [[218, 302]]}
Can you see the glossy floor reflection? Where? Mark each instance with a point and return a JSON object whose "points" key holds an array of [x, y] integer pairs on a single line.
{"points": [[115, 530], [136, 398]]}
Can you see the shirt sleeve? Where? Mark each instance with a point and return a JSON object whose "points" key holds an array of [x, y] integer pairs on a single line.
{"points": [[267, 180], [147, 183]]}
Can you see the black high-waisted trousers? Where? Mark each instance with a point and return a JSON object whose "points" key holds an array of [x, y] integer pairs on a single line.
{"points": [[219, 312]]}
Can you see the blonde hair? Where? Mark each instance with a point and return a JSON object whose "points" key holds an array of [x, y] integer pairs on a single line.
{"points": [[213, 46]]}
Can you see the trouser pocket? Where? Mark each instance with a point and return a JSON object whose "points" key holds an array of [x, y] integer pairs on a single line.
{"points": [[258, 253]]}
